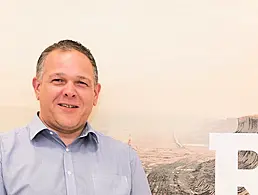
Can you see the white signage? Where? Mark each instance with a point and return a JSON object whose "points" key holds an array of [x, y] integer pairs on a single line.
{"points": [[227, 175]]}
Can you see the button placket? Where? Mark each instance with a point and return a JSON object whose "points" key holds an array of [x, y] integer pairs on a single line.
{"points": [[69, 175]]}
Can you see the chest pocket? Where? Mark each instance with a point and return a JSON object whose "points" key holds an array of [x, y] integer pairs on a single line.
{"points": [[111, 184]]}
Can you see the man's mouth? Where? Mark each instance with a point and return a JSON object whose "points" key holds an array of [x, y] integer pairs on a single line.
{"points": [[68, 105]]}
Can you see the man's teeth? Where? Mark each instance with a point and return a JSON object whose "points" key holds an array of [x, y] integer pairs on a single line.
{"points": [[68, 106]]}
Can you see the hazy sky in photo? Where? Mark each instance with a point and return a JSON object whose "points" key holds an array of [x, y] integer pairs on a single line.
{"points": [[157, 59]]}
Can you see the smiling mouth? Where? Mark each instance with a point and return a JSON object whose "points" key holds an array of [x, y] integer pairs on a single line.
{"points": [[68, 106]]}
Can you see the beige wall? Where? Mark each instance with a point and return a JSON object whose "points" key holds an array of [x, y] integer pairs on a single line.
{"points": [[159, 60]]}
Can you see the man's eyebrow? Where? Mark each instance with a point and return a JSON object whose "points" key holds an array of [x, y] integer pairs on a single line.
{"points": [[62, 74], [56, 74], [83, 78]]}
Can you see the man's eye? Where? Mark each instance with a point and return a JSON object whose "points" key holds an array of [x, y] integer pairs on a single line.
{"points": [[83, 83], [57, 80]]}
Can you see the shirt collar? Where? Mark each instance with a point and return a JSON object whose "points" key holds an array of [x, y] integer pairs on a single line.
{"points": [[36, 126], [89, 130]]}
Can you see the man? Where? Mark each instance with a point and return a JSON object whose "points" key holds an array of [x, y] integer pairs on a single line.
{"points": [[58, 152]]}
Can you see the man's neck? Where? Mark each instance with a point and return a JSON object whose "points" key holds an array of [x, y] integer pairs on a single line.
{"points": [[66, 136], [69, 138]]}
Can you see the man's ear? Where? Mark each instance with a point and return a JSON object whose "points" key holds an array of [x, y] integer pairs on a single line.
{"points": [[96, 94], [36, 86]]}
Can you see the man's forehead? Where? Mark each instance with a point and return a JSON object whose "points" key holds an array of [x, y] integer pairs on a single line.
{"points": [[56, 65]]}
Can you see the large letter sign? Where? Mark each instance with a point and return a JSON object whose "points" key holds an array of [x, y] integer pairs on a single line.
{"points": [[227, 175]]}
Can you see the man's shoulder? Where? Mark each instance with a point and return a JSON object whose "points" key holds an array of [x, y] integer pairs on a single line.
{"points": [[112, 144], [107, 139], [14, 133]]}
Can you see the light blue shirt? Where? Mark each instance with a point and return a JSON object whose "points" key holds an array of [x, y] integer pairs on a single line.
{"points": [[34, 161]]}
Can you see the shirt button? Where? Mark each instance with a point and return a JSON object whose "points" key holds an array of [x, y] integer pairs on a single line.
{"points": [[51, 133], [67, 149], [69, 172]]}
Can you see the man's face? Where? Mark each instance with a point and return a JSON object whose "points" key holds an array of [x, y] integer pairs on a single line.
{"points": [[66, 92]]}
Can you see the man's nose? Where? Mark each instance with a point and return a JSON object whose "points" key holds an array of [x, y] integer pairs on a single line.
{"points": [[69, 90]]}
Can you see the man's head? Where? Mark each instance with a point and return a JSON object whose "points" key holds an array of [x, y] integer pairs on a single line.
{"points": [[66, 45], [66, 85]]}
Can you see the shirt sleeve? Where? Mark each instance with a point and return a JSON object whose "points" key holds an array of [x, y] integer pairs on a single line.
{"points": [[2, 187], [140, 183]]}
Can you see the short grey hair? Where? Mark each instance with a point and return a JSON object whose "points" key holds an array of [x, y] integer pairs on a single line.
{"points": [[66, 45]]}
